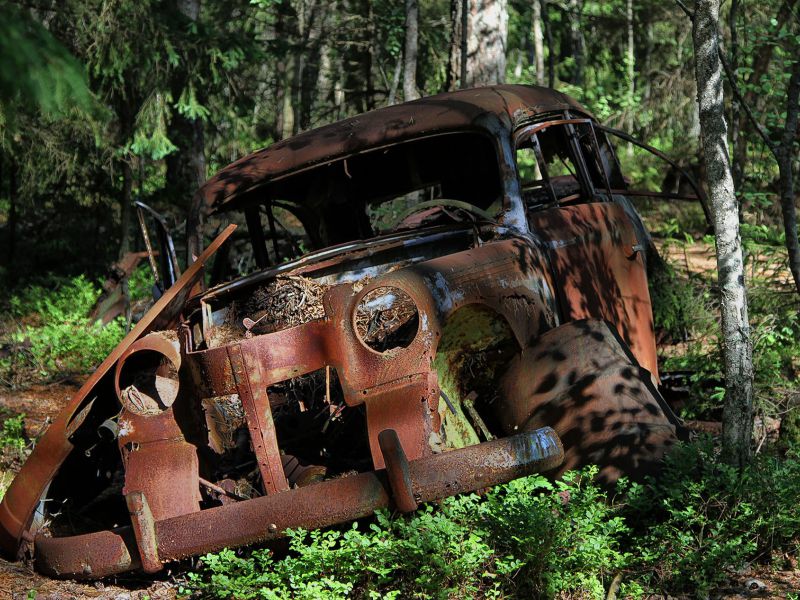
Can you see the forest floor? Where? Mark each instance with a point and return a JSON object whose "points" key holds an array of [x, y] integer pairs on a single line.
{"points": [[41, 403]]}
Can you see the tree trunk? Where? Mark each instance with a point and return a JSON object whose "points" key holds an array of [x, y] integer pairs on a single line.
{"points": [[313, 36], [488, 30], [369, 55], [287, 106], [453, 57], [186, 167], [575, 10], [785, 155], [478, 42], [464, 45], [126, 209], [759, 66], [395, 80], [737, 416], [548, 34], [648, 62], [281, 71], [538, 41], [410, 51], [738, 171], [11, 224]]}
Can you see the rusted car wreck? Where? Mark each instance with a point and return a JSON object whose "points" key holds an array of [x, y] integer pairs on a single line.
{"points": [[436, 295]]}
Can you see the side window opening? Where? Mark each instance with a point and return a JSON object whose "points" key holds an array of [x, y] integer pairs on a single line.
{"points": [[547, 171], [563, 162]]}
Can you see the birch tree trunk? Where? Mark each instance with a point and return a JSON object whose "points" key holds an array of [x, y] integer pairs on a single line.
{"points": [[737, 416], [738, 170], [478, 42], [410, 51]]}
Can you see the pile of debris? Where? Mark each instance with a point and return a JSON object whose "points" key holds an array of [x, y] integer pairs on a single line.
{"points": [[387, 318], [283, 303]]}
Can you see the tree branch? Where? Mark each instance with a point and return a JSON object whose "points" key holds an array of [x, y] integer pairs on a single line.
{"points": [[773, 147], [684, 8]]}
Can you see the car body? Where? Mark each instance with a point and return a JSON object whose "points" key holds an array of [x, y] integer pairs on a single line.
{"points": [[424, 296]]}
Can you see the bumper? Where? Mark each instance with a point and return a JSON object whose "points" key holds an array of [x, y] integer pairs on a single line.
{"points": [[148, 544]]}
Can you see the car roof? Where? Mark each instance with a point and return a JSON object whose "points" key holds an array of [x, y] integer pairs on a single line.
{"points": [[462, 110]]}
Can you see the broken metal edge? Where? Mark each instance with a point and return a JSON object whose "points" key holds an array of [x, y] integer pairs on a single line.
{"points": [[104, 553], [25, 492]]}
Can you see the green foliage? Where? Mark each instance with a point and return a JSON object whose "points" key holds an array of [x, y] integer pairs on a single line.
{"points": [[561, 536], [140, 284], [36, 69], [12, 434], [685, 307], [530, 536], [703, 518], [674, 300], [53, 334]]}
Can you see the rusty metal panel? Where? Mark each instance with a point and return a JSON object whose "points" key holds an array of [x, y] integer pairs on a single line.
{"points": [[89, 556], [339, 500], [580, 381], [159, 463], [144, 529], [596, 259], [319, 505]]}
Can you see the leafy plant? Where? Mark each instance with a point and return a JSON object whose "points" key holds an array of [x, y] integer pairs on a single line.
{"points": [[562, 536], [535, 538], [702, 518], [12, 434], [527, 537], [53, 333]]}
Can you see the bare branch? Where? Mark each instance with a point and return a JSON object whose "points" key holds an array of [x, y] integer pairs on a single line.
{"points": [[685, 9], [773, 147]]}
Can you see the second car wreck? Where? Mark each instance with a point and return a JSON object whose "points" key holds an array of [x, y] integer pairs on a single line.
{"points": [[434, 297]]}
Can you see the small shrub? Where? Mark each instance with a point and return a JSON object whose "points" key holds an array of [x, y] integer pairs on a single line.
{"points": [[675, 302], [563, 535], [702, 518], [12, 434], [13, 449], [527, 538]]}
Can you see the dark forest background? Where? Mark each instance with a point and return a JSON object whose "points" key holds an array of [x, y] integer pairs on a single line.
{"points": [[109, 101]]}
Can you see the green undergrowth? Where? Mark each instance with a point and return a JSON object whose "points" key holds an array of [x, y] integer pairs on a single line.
{"points": [[686, 315], [48, 333], [533, 538]]}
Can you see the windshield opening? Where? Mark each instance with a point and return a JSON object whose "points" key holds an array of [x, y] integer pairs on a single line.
{"points": [[370, 194]]}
